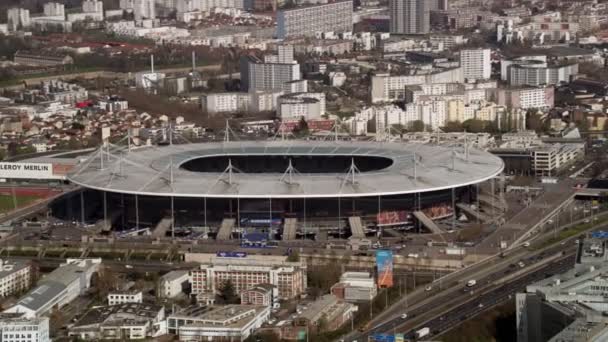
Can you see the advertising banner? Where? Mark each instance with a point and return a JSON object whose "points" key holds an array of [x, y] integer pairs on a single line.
{"points": [[26, 170], [384, 263], [392, 218]]}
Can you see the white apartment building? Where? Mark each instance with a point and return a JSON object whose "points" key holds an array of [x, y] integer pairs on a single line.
{"points": [[524, 98], [385, 88], [92, 6], [115, 298], [15, 276], [54, 9], [387, 116], [537, 74], [225, 102], [476, 64], [14, 328], [334, 17], [126, 4], [18, 18], [172, 284], [263, 101], [144, 9], [258, 75], [295, 108], [81, 16], [289, 278], [256, 101]]}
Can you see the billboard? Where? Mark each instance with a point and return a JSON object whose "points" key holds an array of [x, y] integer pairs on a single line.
{"points": [[392, 218], [231, 254], [27, 170], [439, 211], [384, 264]]}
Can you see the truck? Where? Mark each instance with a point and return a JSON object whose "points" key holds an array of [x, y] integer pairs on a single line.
{"points": [[423, 332], [471, 283]]}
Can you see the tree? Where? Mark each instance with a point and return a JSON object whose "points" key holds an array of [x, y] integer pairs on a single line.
{"points": [[533, 120], [453, 126], [398, 129], [474, 126], [417, 126], [293, 257], [228, 293], [78, 126], [322, 323], [583, 124], [301, 130], [104, 281]]}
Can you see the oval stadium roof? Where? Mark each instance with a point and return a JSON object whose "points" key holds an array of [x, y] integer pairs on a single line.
{"points": [[155, 170]]}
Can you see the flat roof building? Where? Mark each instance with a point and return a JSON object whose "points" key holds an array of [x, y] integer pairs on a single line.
{"points": [[44, 59], [334, 17], [119, 322], [289, 278], [261, 75], [568, 307], [226, 323], [58, 288]]}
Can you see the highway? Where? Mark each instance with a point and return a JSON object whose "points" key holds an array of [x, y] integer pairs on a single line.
{"points": [[450, 293], [497, 295]]}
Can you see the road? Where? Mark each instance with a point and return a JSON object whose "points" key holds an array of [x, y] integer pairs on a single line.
{"points": [[497, 295], [446, 312], [447, 292]]}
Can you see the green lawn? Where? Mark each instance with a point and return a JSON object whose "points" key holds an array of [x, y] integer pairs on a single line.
{"points": [[6, 202]]}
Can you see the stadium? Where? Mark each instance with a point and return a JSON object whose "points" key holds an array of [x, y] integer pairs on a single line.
{"points": [[275, 190]]}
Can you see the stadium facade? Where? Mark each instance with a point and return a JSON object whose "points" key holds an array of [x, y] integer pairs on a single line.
{"points": [[286, 189]]}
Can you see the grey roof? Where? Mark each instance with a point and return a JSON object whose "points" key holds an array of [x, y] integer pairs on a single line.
{"points": [[41, 295], [133, 311], [12, 266], [174, 275], [148, 171], [65, 274]]}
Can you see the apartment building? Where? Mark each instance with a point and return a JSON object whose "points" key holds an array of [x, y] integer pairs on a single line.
{"points": [[16, 328], [386, 87], [307, 21], [523, 98], [535, 71], [288, 278], [144, 9], [225, 102], [15, 276], [410, 16], [18, 18], [476, 64], [54, 9], [92, 6], [259, 75]]}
